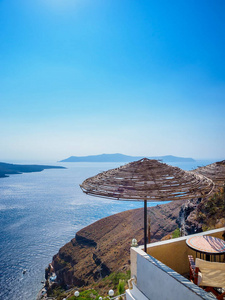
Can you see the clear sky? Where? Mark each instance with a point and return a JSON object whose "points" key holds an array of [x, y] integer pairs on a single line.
{"points": [[81, 77]]}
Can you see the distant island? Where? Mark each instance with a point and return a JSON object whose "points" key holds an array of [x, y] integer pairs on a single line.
{"points": [[7, 169], [117, 157]]}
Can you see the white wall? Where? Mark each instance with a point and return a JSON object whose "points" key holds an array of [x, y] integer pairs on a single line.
{"points": [[157, 281]]}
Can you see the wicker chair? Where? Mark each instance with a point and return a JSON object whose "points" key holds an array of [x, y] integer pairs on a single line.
{"points": [[208, 275], [191, 267]]}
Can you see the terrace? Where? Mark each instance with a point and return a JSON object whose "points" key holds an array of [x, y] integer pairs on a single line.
{"points": [[162, 273]]}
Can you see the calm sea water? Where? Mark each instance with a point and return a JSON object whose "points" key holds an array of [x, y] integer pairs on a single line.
{"points": [[40, 212]]}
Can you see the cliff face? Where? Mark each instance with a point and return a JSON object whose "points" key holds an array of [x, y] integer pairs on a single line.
{"points": [[187, 219], [103, 247], [200, 215]]}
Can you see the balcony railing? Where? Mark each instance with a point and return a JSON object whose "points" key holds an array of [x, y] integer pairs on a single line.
{"points": [[159, 274]]}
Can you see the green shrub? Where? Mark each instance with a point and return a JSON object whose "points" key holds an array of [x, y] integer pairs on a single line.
{"points": [[121, 287], [86, 295], [176, 233], [114, 278]]}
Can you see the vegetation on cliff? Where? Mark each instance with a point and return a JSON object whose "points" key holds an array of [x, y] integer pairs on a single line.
{"points": [[99, 254], [116, 281]]}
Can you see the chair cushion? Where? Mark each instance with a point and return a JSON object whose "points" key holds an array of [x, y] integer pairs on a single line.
{"points": [[212, 273]]}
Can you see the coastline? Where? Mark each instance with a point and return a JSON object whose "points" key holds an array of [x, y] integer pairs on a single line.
{"points": [[44, 210], [105, 245], [7, 169]]}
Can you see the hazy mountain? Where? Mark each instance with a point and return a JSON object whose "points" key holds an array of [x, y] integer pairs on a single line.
{"points": [[117, 157]]}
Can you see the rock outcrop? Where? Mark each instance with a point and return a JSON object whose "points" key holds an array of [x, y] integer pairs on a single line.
{"points": [[186, 220], [103, 247]]}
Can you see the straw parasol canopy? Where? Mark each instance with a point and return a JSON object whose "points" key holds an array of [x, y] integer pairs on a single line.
{"points": [[215, 171], [147, 180]]}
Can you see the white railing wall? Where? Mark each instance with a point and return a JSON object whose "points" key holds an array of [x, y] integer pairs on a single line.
{"points": [[155, 280]]}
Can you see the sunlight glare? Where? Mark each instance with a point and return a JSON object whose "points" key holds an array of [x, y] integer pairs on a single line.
{"points": [[61, 5]]}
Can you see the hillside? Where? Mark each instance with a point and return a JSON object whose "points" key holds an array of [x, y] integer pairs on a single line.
{"points": [[117, 157], [103, 247], [8, 169]]}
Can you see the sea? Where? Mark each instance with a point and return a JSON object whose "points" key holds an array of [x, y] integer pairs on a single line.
{"points": [[42, 211]]}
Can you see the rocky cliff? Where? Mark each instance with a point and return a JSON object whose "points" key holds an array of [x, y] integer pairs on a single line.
{"points": [[103, 247]]}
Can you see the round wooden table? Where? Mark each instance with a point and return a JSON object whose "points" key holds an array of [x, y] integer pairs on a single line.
{"points": [[207, 246]]}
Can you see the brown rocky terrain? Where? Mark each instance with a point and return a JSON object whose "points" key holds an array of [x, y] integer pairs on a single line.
{"points": [[103, 247]]}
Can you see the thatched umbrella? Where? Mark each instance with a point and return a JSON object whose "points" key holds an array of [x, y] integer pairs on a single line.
{"points": [[214, 171], [147, 180]]}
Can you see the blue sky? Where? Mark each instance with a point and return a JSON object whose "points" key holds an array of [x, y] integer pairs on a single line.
{"points": [[82, 77]]}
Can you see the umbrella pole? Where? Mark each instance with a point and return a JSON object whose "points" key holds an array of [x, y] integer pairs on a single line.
{"points": [[145, 225]]}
